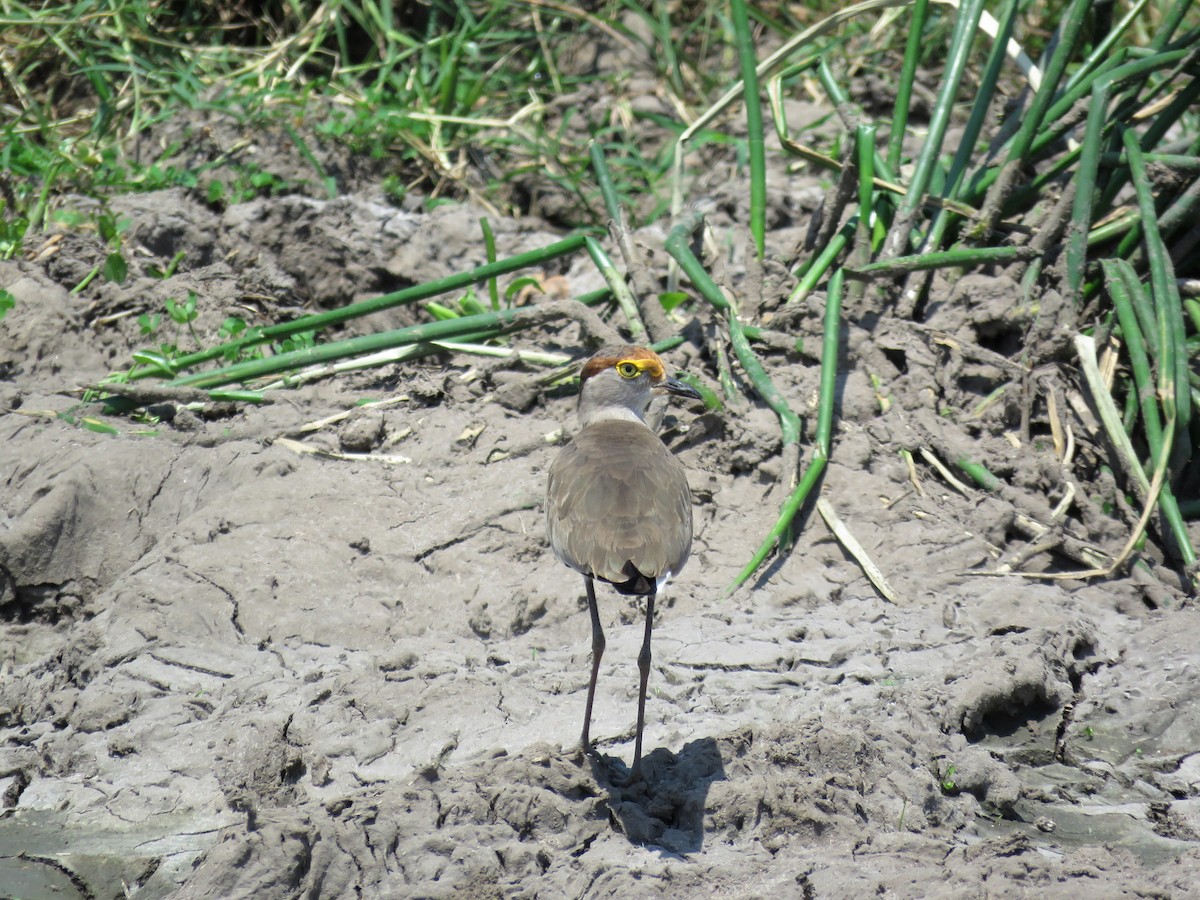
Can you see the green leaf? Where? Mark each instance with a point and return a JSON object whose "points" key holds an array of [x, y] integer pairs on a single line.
{"points": [[182, 313], [115, 268], [301, 340], [12, 234], [155, 361], [519, 285], [98, 426], [72, 218], [470, 305], [107, 227], [672, 299], [440, 312], [7, 302]]}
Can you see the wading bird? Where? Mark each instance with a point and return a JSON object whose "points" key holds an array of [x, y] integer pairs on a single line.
{"points": [[618, 506]]}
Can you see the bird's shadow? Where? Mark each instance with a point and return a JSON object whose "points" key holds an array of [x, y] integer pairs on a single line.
{"points": [[665, 808]]}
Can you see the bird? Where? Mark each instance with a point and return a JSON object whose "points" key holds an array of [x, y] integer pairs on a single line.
{"points": [[618, 506]]}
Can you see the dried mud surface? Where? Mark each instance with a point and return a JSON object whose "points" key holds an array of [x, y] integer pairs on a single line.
{"points": [[232, 670]]}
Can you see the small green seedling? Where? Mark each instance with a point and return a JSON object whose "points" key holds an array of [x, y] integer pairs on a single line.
{"points": [[148, 324], [948, 784], [166, 273], [111, 228], [12, 233], [301, 340], [182, 313]]}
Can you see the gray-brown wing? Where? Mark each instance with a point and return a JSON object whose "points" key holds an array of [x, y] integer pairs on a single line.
{"points": [[617, 495]]}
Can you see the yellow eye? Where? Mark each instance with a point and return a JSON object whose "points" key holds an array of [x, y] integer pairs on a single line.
{"points": [[628, 370]]}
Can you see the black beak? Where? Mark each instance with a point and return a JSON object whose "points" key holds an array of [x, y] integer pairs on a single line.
{"points": [[679, 389]]}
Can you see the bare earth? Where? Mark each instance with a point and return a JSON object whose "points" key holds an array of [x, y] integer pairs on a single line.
{"points": [[234, 670]]}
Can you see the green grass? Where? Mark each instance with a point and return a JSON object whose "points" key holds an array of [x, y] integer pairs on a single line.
{"points": [[453, 98]]}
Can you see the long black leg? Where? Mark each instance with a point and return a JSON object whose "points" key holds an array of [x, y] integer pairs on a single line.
{"points": [[597, 652], [644, 671]]}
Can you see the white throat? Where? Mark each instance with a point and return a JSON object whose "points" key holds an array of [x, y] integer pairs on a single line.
{"points": [[608, 414]]}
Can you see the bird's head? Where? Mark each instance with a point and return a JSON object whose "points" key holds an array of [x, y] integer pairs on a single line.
{"points": [[620, 381]]}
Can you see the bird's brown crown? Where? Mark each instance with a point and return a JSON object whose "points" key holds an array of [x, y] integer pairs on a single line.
{"points": [[628, 361]]}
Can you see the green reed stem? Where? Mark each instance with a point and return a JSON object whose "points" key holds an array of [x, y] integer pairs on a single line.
{"points": [[912, 55], [963, 257], [620, 290], [1173, 361], [823, 439], [1118, 275], [377, 304], [961, 41], [1085, 188], [754, 123]]}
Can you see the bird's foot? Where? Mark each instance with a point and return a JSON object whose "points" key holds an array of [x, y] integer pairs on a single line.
{"points": [[633, 779], [636, 773], [585, 751]]}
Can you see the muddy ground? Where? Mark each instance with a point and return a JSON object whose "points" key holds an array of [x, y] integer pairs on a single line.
{"points": [[231, 669]]}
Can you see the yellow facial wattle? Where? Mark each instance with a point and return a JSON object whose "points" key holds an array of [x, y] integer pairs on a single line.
{"points": [[632, 368]]}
